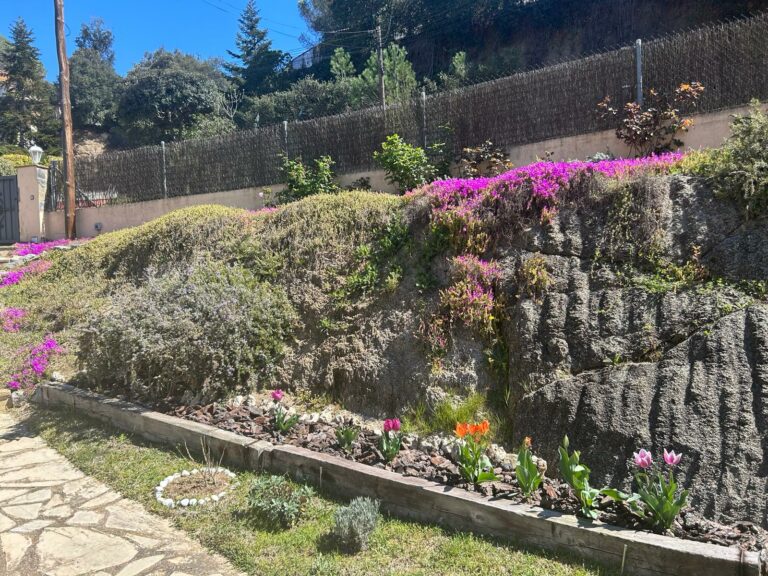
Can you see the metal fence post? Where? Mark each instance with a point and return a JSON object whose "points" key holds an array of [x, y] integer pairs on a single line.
{"points": [[424, 117], [165, 179], [285, 136], [639, 71]]}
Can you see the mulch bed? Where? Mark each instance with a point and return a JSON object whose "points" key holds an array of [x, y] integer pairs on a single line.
{"points": [[435, 465]]}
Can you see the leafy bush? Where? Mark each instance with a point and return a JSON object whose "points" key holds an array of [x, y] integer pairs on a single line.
{"points": [[483, 160], [407, 166], [654, 126], [17, 160], [278, 501], [354, 524], [7, 168], [739, 169], [204, 329], [302, 181]]}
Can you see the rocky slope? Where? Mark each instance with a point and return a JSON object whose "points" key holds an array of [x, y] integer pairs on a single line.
{"points": [[617, 366]]}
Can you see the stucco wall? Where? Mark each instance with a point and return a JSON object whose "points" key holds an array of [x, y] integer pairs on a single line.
{"points": [[709, 130]]}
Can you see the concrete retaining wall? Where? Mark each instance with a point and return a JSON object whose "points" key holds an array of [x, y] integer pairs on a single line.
{"points": [[640, 553], [709, 130]]}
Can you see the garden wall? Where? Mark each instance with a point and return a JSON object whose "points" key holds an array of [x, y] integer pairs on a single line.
{"points": [[708, 130]]}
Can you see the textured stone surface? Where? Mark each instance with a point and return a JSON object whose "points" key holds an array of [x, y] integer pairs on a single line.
{"points": [[75, 525], [618, 367]]}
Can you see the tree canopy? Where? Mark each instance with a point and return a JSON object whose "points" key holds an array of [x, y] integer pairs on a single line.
{"points": [[166, 94], [258, 65], [95, 86], [26, 109]]}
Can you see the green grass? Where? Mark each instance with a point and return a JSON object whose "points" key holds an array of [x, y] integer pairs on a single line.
{"points": [[133, 467], [445, 415]]}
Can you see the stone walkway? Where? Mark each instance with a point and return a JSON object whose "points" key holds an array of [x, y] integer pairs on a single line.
{"points": [[55, 521]]}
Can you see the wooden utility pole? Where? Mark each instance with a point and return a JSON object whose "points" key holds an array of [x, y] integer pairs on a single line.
{"points": [[66, 116], [381, 68]]}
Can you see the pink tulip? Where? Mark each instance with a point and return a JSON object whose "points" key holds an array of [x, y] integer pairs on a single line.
{"points": [[392, 425], [643, 459], [277, 395], [671, 458]]}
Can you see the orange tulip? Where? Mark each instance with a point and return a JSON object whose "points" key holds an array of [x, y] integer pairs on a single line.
{"points": [[461, 429]]}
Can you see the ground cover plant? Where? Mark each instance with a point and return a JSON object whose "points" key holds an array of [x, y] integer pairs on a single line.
{"points": [[133, 467]]}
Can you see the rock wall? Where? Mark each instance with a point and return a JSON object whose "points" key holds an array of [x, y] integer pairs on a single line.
{"points": [[617, 366]]}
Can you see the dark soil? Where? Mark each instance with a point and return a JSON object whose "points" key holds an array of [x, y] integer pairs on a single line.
{"points": [[253, 422]]}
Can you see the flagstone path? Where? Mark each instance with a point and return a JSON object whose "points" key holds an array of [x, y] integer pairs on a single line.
{"points": [[55, 521]]}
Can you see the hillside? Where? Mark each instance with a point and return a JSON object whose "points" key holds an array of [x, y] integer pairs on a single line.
{"points": [[619, 301]]}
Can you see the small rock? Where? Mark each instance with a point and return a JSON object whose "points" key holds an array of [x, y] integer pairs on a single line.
{"points": [[185, 502], [193, 502], [185, 473], [215, 498]]}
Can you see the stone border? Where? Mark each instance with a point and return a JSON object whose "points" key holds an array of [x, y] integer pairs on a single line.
{"points": [[640, 553], [184, 502]]}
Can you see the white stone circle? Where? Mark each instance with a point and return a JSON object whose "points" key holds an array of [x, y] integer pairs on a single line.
{"points": [[190, 502]]}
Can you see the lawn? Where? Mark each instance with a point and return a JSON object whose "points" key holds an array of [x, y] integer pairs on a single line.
{"points": [[133, 467]]}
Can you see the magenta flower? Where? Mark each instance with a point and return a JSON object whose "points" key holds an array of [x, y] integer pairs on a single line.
{"points": [[24, 249], [14, 385], [643, 459], [277, 395], [392, 425], [671, 458], [10, 319]]}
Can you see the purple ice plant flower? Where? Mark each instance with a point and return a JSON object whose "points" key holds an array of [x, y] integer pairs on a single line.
{"points": [[10, 319], [25, 249], [16, 275], [277, 395]]}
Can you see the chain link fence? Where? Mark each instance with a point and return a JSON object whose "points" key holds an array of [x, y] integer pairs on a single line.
{"points": [[730, 59]]}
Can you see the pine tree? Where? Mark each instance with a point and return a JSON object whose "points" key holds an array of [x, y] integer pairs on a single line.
{"points": [[26, 111], [400, 82], [259, 65], [342, 67]]}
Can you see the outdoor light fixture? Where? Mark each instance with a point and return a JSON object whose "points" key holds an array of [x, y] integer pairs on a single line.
{"points": [[36, 153]]}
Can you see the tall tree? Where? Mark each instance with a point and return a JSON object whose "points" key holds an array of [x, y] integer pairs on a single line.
{"points": [[258, 66], [94, 36], [399, 78], [26, 109], [342, 67], [167, 94], [95, 84], [4, 46]]}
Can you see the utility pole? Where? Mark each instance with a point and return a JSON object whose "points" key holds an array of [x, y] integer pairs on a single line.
{"points": [[381, 68], [66, 115]]}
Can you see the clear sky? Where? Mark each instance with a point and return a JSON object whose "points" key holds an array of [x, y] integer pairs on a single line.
{"points": [[205, 28]]}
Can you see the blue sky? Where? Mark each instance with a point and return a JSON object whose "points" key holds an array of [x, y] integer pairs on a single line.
{"points": [[205, 28]]}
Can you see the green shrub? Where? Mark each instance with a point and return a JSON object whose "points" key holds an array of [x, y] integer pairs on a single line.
{"points": [[204, 328], [302, 181], [407, 166], [7, 168], [354, 524], [278, 501], [739, 169], [18, 160]]}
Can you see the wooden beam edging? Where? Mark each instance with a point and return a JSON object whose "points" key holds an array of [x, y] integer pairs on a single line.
{"points": [[642, 553]]}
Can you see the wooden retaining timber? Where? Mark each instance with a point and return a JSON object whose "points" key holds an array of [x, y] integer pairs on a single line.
{"points": [[641, 553]]}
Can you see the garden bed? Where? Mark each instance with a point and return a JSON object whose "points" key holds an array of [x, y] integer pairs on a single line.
{"points": [[434, 464], [415, 498]]}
